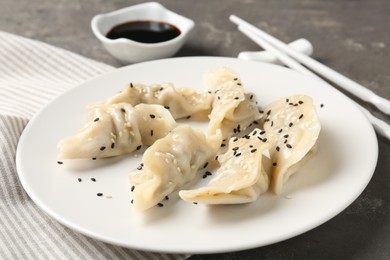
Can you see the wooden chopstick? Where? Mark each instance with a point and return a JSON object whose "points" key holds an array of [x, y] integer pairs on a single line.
{"points": [[347, 84], [380, 126]]}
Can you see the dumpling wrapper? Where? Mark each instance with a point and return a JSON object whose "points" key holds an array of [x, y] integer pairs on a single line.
{"points": [[292, 128], [232, 110], [181, 102], [117, 129], [242, 176], [170, 163]]}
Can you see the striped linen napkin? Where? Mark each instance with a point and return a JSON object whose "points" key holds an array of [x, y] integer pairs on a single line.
{"points": [[31, 74]]}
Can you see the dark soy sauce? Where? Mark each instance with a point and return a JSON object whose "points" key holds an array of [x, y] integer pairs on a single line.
{"points": [[144, 31]]}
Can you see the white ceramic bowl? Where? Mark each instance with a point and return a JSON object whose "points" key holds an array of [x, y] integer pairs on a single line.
{"points": [[128, 51]]}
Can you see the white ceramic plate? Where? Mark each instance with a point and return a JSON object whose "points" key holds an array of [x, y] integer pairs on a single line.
{"points": [[333, 179]]}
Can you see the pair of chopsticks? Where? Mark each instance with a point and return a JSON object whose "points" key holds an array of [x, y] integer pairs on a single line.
{"points": [[293, 59]]}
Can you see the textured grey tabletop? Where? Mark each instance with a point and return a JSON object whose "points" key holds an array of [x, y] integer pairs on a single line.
{"points": [[350, 36]]}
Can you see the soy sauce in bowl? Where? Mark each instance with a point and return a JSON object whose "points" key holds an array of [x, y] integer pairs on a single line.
{"points": [[144, 31]]}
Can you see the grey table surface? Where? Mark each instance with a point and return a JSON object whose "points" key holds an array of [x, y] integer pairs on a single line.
{"points": [[350, 36]]}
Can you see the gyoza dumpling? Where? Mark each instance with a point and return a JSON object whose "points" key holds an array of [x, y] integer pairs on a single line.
{"points": [[292, 127], [232, 109], [170, 163], [242, 176], [117, 129], [154, 122], [181, 102]]}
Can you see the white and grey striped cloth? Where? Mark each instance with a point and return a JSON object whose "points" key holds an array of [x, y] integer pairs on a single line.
{"points": [[31, 74]]}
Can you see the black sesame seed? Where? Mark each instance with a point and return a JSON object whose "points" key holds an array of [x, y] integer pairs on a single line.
{"points": [[236, 98], [140, 166], [112, 145], [132, 201], [266, 120], [216, 158], [285, 141], [290, 124], [268, 112], [254, 132], [235, 79], [96, 119], [161, 89], [205, 165], [152, 116], [239, 84], [93, 179], [204, 176], [132, 188], [99, 194], [138, 147], [287, 100], [274, 164], [285, 136], [196, 203], [123, 110], [280, 130], [131, 85], [208, 173], [188, 117], [235, 139], [251, 97], [79, 179], [288, 145], [235, 148], [219, 98], [166, 197], [277, 148], [272, 123], [238, 154], [264, 140], [322, 105], [255, 122], [94, 158], [59, 162], [166, 107], [253, 150], [300, 102], [102, 148], [151, 132], [262, 132], [223, 145], [300, 116]]}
